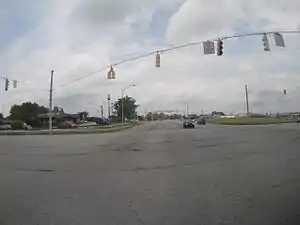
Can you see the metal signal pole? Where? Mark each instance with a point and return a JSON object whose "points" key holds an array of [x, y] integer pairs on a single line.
{"points": [[247, 100], [50, 102], [108, 105]]}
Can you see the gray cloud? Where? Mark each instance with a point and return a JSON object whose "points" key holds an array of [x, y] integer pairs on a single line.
{"points": [[275, 101], [98, 13]]}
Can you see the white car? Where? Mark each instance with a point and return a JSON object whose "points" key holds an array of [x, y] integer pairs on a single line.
{"points": [[27, 127], [5, 127]]}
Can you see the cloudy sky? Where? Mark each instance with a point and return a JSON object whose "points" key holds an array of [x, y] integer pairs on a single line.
{"points": [[77, 37]]}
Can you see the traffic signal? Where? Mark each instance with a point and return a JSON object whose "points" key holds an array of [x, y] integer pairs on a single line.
{"points": [[157, 59], [111, 74], [284, 91], [220, 47], [266, 43], [6, 84]]}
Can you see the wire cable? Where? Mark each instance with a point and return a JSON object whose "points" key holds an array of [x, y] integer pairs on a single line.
{"points": [[174, 48]]}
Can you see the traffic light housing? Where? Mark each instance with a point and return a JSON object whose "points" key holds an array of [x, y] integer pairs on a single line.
{"points": [[266, 44], [6, 84], [111, 74], [284, 91], [220, 47], [157, 60]]}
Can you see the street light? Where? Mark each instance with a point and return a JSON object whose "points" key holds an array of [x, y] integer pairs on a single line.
{"points": [[123, 90]]}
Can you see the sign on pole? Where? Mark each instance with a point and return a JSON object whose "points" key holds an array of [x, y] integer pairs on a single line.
{"points": [[15, 84], [278, 38], [209, 47]]}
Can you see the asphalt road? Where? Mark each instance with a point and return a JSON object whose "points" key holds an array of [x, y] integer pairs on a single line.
{"points": [[157, 173]]}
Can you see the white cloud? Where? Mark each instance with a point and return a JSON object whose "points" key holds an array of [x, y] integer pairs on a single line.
{"points": [[208, 19], [77, 37]]}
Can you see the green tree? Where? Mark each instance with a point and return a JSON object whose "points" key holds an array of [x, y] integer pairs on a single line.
{"points": [[129, 107], [27, 112], [162, 116], [149, 116]]}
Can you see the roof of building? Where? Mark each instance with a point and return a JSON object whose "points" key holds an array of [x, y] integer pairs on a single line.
{"points": [[58, 115]]}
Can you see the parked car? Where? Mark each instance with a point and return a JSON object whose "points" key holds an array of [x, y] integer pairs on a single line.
{"points": [[27, 127], [5, 127], [102, 121]]}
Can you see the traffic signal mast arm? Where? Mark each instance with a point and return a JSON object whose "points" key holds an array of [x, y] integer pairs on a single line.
{"points": [[151, 53]]}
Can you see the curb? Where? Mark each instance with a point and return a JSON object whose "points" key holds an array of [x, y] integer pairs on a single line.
{"points": [[62, 132]]}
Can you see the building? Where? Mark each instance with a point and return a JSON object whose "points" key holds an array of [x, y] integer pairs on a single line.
{"points": [[58, 117]]}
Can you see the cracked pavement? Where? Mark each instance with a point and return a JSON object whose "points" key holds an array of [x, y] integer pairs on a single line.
{"points": [[156, 173]]}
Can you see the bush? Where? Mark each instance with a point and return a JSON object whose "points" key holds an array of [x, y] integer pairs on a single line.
{"points": [[17, 125], [34, 122], [257, 116], [64, 125]]}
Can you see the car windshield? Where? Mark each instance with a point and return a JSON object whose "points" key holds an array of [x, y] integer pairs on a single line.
{"points": [[144, 112]]}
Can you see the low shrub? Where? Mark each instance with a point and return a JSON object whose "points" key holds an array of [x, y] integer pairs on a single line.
{"points": [[17, 125]]}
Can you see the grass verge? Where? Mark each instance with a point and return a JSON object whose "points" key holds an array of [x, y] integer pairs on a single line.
{"points": [[250, 121]]}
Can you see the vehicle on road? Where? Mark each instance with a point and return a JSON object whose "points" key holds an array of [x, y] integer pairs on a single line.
{"points": [[102, 121], [188, 124], [201, 121]]}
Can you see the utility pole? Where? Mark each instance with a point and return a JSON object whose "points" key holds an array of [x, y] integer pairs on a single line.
{"points": [[108, 105], [187, 109], [247, 100], [50, 102], [101, 111], [122, 107], [2, 94], [112, 108]]}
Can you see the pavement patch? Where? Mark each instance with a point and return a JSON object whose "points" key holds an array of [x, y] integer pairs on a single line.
{"points": [[34, 170]]}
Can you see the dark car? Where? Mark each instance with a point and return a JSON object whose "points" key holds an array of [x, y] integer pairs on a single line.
{"points": [[201, 121], [188, 124], [102, 121]]}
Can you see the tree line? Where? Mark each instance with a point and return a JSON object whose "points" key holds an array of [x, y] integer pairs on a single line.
{"points": [[28, 112]]}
